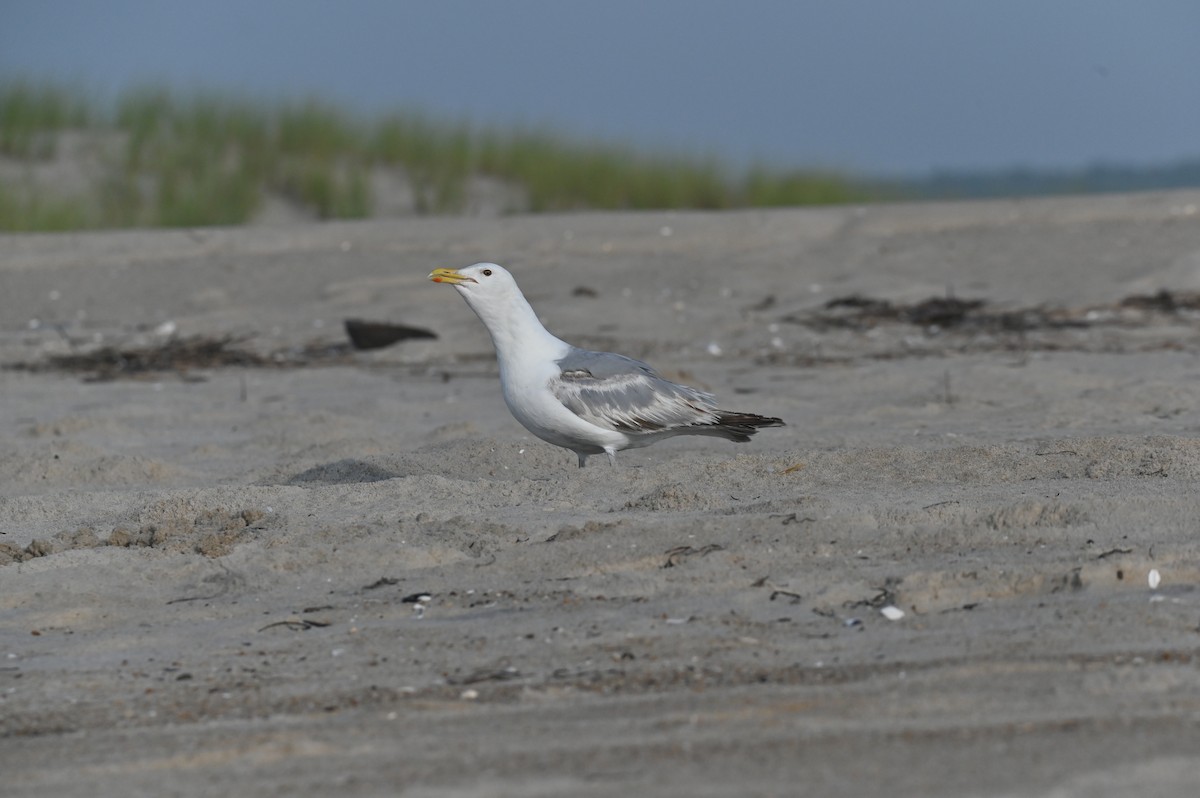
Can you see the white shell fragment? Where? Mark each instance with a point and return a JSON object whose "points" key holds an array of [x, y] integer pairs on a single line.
{"points": [[892, 612], [1154, 578]]}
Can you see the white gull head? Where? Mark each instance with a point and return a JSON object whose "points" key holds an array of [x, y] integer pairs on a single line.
{"points": [[493, 294]]}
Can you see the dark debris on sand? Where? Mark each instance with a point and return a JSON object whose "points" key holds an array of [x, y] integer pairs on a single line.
{"points": [[858, 312], [181, 356], [379, 334], [948, 325], [186, 354]]}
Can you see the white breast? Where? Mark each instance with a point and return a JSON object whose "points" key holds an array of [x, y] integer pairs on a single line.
{"points": [[526, 392]]}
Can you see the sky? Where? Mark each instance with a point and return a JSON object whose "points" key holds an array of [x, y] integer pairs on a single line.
{"points": [[872, 87]]}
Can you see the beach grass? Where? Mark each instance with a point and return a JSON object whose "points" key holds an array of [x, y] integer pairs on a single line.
{"points": [[212, 159], [41, 214], [30, 113]]}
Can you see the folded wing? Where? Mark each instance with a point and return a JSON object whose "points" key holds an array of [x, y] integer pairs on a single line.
{"points": [[619, 393]]}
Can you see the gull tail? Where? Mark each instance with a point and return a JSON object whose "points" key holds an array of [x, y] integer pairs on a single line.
{"points": [[739, 426]]}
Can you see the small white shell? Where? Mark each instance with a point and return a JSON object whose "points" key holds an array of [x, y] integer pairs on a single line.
{"points": [[1154, 578], [892, 612]]}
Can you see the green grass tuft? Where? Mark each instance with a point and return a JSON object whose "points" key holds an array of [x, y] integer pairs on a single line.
{"points": [[207, 159], [42, 214], [31, 114]]}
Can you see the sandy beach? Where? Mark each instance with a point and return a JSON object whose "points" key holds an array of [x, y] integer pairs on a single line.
{"points": [[969, 565]]}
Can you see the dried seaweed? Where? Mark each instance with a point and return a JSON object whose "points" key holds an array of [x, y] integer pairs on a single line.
{"points": [[857, 312], [181, 356]]}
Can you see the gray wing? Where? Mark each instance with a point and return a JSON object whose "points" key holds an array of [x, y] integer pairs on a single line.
{"points": [[623, 394]]}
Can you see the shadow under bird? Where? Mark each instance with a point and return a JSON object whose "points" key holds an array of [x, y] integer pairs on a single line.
{"points": [[588, 402]]}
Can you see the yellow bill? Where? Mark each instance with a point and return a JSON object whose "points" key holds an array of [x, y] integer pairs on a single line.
{"points": [[451, 276]]}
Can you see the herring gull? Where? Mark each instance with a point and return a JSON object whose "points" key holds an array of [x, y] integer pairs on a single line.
{"points": [[588, 402]]}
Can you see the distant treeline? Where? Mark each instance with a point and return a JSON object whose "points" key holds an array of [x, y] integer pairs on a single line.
{"points": [[1099, 178]]}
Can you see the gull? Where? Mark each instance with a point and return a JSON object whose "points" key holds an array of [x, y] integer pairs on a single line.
{"points": [[588, 402]]}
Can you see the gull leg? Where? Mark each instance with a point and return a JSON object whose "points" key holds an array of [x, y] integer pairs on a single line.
{"points": [[612, 456], [582, 459]]}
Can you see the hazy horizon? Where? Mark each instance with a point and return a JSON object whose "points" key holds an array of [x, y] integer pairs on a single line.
{"points": [[870, 87]]}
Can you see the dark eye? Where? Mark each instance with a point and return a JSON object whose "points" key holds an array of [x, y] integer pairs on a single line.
{"points": [[487, 272]]}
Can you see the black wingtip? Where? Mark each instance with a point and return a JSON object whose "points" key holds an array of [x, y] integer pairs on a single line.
{"points": [[729, 418], [738, 427]]}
